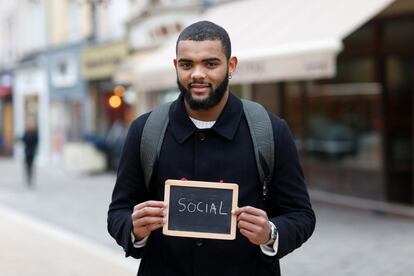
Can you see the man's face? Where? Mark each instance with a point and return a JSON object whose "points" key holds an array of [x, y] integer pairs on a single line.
{"points": [[202, 72]]}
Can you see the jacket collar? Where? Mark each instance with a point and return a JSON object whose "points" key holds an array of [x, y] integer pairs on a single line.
{"points": [[226, 125]]}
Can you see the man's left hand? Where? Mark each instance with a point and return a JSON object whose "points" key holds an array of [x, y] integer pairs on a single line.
{"points": [[253, 223]]}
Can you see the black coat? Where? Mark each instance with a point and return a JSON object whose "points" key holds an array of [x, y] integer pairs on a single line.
{"points": [[224, 152], [30, 140]]}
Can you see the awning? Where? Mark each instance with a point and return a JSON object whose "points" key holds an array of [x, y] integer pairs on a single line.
{"points": [[273, 39], [5, 91]]}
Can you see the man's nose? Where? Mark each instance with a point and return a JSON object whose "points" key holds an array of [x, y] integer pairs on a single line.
{"points": [[198, 73]]}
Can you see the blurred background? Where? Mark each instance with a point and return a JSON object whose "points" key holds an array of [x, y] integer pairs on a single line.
{"points": [[341, 73]]}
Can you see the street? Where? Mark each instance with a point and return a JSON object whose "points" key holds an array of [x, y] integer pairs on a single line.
{"points": [[59, 228]]}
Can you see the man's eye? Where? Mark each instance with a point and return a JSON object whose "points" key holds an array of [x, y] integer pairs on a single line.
{"points": [[185, 65], [211, 65]]}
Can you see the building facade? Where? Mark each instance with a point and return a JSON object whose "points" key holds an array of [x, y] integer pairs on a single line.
{"points": [[341, 74], [354, 129]]}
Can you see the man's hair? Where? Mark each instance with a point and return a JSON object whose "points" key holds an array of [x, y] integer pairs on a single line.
{"points": [[206, 30]]}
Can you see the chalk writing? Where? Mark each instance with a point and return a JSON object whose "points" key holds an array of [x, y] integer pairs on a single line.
{"points": [[201, 207]]}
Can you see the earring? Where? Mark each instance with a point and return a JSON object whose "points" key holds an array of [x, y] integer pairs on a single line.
{"points": [[230, 76]]}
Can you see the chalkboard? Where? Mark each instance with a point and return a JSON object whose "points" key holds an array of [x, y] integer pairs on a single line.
{"points": [[200, 209]]}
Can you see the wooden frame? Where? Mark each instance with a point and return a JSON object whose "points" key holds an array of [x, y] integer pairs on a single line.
{"points": [[200, 184]]}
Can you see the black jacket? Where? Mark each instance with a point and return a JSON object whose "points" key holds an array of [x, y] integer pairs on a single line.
{"points": [[30, 140], [224, 152]]}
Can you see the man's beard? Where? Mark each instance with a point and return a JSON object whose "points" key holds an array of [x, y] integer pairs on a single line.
{"points": [[214, 96]]}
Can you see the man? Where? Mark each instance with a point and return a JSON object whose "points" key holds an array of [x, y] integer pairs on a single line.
{"points": [[208, 139]]}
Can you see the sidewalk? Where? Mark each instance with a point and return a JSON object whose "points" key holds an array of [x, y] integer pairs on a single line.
{"points": [[32, 248], [76, 203], [59, 228]]}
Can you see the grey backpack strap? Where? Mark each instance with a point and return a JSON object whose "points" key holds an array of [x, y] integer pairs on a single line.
{"points": [[261, 132], [152, 138]]}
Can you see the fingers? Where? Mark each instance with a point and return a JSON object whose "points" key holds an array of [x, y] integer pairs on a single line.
{"points": [[147, 221], [249, 226], [149, 208], [254, 233], [145, 230], [253, 219], [142, 232], [249, 210], [150, 203], [147, 217], [153, 227], [148, 212], [253, 223], [249, 235]]}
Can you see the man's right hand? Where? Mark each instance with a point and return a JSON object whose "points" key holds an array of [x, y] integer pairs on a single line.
{"points": [[147, 217]]}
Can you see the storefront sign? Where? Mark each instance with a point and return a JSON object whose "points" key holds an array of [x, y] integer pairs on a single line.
{"points": [[278, 68], [100, 62]]}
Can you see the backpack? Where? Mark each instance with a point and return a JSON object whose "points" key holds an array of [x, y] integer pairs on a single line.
{"points": [[261, 132]]}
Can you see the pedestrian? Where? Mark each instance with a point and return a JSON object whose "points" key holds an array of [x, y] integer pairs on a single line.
{"points": [[30, 141], [208, 139]]}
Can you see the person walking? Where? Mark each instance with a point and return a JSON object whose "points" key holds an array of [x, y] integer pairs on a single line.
{"points": [[208, 139], [30, 141]]}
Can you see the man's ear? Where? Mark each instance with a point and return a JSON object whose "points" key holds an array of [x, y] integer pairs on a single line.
{"points": [[175, 63], [232, 64]]}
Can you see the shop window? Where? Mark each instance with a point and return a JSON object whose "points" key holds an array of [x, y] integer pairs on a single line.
{"points": [[337, 130], [399, 34], [399, 74], [237, 90], [294, 110], [267, 94], [356, 70], [399, 109], [343, 124]]}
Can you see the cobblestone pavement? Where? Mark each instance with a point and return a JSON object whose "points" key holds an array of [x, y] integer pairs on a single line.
{"points": [[345, 242], [354, 242]]}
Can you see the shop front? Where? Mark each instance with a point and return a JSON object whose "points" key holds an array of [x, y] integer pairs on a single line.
{"points": [[111, 112], [31, 102], [6, 114], [98, 67], [354, 131], [69, 99]]}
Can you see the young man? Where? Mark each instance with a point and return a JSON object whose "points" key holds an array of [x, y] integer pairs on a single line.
{"points": [[208, 139]]}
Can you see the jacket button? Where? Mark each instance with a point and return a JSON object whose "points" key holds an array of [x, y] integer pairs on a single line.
{"points": [[199, 242], [202, 136]]}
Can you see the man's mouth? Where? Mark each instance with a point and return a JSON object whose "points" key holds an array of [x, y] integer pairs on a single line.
{"points": [[200, 87]]}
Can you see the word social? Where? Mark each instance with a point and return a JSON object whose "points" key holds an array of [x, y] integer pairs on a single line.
{"points": [[201, 207]]}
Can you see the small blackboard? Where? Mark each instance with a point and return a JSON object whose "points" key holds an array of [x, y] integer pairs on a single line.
{"points": [[200, 209]]}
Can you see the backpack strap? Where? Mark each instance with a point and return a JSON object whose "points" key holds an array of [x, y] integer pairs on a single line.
{"points": [[261, 132], [152, 138]]}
